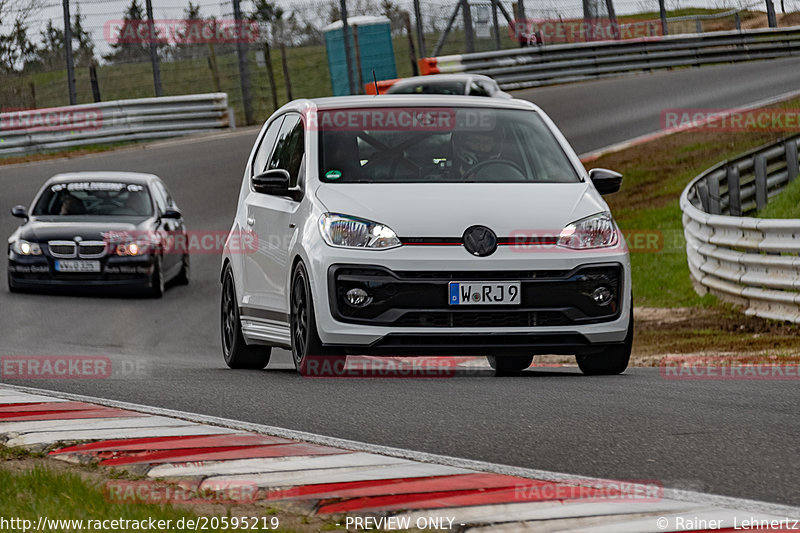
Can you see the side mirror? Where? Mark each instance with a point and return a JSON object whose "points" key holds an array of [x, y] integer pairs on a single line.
{"points": [[274, 181], [605, 181], [171, 213], [19, 211]]}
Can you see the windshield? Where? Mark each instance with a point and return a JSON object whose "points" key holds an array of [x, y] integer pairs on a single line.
{"points": [[428, 87], [426, 144], [94, 198]]}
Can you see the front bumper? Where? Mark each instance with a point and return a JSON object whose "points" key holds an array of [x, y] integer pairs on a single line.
{"points": [[39, 271], [551, 322]]}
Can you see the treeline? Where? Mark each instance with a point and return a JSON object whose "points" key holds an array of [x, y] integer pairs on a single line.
{"points": [[21, 52]]}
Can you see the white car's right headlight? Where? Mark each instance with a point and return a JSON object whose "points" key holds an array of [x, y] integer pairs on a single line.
{"points": [[345, 231], [23, 247], [596, 231]]}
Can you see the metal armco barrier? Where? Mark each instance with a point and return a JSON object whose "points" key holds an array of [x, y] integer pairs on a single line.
{"points": [[550, 64], [38, 130], [750, 262]]}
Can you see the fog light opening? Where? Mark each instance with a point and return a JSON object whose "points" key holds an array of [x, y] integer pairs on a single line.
{"points": [[602, 295], [358, 297]]}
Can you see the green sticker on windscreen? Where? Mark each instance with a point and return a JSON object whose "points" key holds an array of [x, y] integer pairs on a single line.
{"points": [[333, 175]]}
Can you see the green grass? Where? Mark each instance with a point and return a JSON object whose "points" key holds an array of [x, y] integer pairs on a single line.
{"points": [[42, 492], [784, 205]]}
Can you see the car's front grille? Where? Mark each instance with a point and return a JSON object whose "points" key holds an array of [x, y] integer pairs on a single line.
{"points": [[482, 319], [62, 249], [70, 249], [92, 249]]}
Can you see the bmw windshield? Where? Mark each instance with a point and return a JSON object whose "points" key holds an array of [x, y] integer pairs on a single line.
{"points": [[94, 198]]}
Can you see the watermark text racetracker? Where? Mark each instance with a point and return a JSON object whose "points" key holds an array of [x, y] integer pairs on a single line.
{"points": [[79, 118], [766, 119], [188, 242], [182, 31], [726, 368], [71, 367]]}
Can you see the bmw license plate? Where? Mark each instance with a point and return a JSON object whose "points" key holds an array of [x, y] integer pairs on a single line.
{"points": [[484, 293], [77, 266]]}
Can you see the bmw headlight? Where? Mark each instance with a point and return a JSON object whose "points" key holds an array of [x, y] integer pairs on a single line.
{"points": [[22, 247], [350, 232], [596, 231]]}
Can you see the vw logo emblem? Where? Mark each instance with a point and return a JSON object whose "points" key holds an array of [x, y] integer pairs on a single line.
{"points": [[480, 241]]}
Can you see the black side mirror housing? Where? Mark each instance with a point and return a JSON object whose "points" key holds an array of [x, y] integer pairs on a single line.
{"points": [[274, 181], [171, 213], [19, 211], [605, 181]]}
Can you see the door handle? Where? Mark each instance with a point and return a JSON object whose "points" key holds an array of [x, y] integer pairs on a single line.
{"points": [[251, 221]]}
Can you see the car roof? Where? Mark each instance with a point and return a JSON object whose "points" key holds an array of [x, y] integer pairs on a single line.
{"points": [[442, 77], [110, 175], [409, 100]]}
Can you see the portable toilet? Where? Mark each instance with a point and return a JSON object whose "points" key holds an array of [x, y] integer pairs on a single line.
{"points": [[375, 49]]}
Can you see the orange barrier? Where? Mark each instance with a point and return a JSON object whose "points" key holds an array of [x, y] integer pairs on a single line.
{"points": [[428, 65], [383, 85]]}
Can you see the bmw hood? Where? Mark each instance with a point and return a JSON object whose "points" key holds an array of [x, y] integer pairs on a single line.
{"points": [[447, 209], [88, 229]]}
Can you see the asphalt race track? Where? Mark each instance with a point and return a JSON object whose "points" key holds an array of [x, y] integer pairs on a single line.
{"points": [[736, 438]]}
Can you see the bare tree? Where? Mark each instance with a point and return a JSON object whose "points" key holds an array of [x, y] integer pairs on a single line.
{"points": [[15, 47]]}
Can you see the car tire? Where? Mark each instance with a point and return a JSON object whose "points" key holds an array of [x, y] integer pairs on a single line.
{"points": [[308, 354], [235, 350], [183, 276], [611, 360], [11, 287], [509, 364], [157, 282]]}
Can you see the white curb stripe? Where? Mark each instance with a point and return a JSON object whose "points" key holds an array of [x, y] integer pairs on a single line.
{"points": [[295, 478], [51, 437], [28, 398], [272, 464], [36, 426]]}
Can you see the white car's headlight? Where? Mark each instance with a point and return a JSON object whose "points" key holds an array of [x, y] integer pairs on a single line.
{"points": [[350, 232], [22, 247], [596, 231]]}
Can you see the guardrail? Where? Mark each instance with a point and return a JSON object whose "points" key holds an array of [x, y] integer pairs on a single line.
{"points": [[546, 65], [37, 130], [750, 262]]}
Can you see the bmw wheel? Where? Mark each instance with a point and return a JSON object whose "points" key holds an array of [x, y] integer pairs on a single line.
{"points": [[235, 350], [157, 281]]}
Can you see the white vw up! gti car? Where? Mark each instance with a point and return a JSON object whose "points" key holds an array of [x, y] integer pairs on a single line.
{"points": [[423, 225]]}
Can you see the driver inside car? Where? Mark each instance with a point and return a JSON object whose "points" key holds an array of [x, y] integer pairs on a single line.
{"points": [[474, 147]]}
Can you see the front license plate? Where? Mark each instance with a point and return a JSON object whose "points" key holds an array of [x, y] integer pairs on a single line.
{"points": [[77, 266], [484, 292]]}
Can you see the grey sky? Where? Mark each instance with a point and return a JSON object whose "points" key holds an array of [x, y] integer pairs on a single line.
{"points": [[98, 13]]}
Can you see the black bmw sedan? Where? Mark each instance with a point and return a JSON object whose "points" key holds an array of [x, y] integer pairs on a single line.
{"points": [[96, 229]]}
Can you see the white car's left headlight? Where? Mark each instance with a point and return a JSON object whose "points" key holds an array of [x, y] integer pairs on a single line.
{"points": [[596, 231], [23, 247], [344, 231]]}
